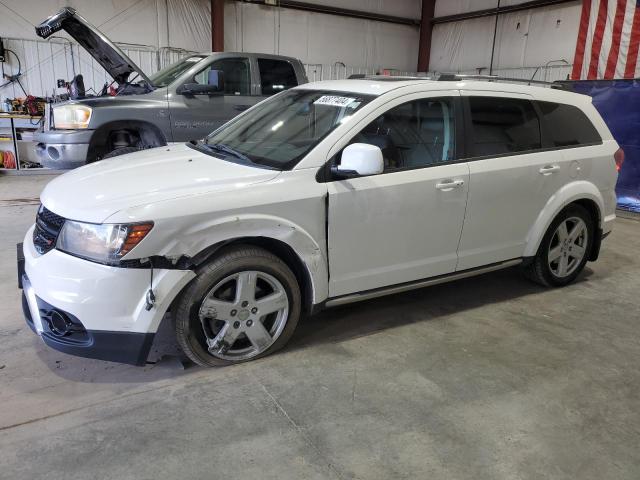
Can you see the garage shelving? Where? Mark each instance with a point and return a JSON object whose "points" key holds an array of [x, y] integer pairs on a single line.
{"points": [[16, 144]]}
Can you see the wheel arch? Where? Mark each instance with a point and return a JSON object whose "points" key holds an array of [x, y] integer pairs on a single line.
{"points": [[582, 193], [147, 132], [280, 249], [301, 249]]}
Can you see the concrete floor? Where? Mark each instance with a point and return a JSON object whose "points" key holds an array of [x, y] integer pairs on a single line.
{"points": [[486, 378]]}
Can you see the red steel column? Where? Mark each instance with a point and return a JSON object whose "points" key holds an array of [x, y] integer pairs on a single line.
{"points": [[424, 50], [217, 25]]}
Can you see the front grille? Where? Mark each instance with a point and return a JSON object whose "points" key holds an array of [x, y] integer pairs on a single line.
{"points": [[50, 218], [48, 226]]}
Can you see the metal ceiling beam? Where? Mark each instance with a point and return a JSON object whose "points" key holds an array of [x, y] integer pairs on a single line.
{"points": [[489, 12], [217, 25], [426, 27], [329, 10]]}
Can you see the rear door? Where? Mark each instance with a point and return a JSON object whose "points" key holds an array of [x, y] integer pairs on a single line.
{"points": [[403, 224], [195, 116], [512, 176]]}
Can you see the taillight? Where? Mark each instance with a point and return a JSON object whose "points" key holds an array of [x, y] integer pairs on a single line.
{"points": [[619, 158]]}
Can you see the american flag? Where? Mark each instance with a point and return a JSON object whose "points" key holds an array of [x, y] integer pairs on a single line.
{"points": [[608, 40]]}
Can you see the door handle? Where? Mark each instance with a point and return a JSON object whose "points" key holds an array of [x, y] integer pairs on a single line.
{"points": [[449, 185], [549, 169], [241, 108]]}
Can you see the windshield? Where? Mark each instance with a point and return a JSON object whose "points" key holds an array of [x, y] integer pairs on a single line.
{"points": [[168, 74], [284, 128]]}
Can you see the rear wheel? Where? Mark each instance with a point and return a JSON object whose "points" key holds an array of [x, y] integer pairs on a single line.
{"points": [[564, 250], [243, 305]]}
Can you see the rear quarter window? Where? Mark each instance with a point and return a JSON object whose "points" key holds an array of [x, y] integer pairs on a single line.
{"points": [[567, 126], [276, 75]]}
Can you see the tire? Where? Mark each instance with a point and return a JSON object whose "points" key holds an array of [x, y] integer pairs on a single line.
{"points": [[121, 151], [218, 323], [574, 252]]}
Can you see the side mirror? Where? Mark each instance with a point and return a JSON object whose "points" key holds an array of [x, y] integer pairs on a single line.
{"points": [[359, 159], [214, 86], [190, 89]]}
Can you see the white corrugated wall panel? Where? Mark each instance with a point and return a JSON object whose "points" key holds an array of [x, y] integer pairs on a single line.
{"points": [[524, 39], [324, 39], [553, 32], [461, 45]]}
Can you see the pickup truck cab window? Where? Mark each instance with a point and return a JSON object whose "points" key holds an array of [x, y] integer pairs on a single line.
{"points": [[276, 75], [237, 76]]}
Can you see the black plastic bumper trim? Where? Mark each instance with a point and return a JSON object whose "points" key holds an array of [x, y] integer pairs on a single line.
{"points": [[122, 347], [597, 243], [20, 261]]}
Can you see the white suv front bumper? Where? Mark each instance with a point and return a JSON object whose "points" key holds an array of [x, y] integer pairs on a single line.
{"points": [[108, 302]]}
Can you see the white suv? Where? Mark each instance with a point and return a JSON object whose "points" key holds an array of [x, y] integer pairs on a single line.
{"points": [[328, 193]]}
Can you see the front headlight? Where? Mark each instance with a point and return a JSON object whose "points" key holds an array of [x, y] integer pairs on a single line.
{"points": [[71, 116], [104, 243]]}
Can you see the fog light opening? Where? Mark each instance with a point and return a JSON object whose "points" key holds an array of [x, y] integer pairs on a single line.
{"points": [[53, 153], [59, 324]]}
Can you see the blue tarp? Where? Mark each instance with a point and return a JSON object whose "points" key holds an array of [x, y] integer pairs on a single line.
{"points": [[618, 101]]}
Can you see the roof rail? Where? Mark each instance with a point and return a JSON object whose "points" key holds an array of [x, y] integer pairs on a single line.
{"points": [[448, 77]]}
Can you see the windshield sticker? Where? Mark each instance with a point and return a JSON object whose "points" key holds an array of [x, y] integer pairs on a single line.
{"points": [[334, 101]]}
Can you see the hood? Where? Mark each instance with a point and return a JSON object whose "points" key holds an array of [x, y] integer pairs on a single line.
{"points": [[95, 192], [103, 50]]}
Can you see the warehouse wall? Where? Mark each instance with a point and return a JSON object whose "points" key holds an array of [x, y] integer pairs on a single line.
{"points": [[325, 39], [144, 28], [160, 23], [333, 47], [525, 39]]}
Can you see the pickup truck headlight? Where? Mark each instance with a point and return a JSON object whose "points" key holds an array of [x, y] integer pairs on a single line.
{"points": [[104, 243], [71, 117]]}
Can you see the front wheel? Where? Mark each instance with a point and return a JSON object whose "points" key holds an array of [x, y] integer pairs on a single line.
{"points": [[243, 305], [564, 250], [121, 151]]}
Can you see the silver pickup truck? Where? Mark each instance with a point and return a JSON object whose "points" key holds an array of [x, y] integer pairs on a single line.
{"points": [[184, 101]]}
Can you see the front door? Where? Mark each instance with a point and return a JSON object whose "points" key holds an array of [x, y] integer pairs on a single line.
{"points": [[195, 116], [404, 224]]}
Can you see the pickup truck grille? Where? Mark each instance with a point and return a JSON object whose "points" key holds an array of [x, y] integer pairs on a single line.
{"points": [[48, 226]]}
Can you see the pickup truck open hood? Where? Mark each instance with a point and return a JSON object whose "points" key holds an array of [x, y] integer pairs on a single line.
{"points": [[96, 191], [103, 50]]}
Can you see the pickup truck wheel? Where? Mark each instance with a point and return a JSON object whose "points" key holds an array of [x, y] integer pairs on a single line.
{"points": [[121, 151], [564, 250], [243, 305]]}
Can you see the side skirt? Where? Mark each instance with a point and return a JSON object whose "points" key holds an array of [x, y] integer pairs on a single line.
{"points": [[404, 287]]}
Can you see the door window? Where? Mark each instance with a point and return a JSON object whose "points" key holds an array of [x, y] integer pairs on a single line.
{"points": [[276, 75], [503, 126], [567, 125], [237, 77], [415, 134]]}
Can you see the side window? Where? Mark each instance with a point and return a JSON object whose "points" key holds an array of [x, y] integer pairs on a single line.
{"points": [[276, 75], [415, 134], [567, 125], [503, 125], [237, 77]]}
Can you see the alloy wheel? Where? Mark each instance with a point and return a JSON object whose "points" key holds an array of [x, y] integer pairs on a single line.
{"points": [[243, 315], [568, 247]]}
